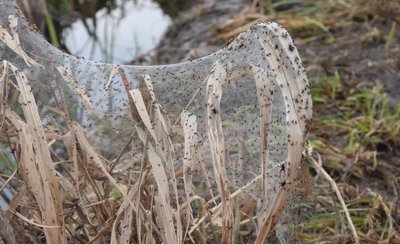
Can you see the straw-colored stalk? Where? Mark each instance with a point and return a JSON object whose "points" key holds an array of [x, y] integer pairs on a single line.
{"points": [[35, 161]]}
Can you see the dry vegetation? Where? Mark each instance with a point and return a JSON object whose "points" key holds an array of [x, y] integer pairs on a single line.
{"points": [[87, 203], [353, 149], [63, 189]]}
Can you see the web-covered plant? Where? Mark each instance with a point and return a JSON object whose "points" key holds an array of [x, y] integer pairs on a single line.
{"points": [[191, 152]]}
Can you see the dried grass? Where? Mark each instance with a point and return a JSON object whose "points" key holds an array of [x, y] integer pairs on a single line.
{"points": [[318, 165], [35, 160]]}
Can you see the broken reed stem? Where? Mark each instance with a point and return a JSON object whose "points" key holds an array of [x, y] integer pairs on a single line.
{"points": [[9, 179], [121, 153], [30, 221], [318, 166], [178, 118]]}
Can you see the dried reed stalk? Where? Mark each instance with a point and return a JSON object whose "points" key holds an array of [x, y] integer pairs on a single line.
{"points": [[318, 166], [217, 147], [12, 41], [35, 161]]}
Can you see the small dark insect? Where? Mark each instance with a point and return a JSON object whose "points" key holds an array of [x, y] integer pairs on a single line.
{"points": [[291, 48], [283, 184], [214, 110], [282, 167]]}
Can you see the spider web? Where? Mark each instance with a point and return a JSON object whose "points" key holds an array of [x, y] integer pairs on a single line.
{"points": [[235, 121]]}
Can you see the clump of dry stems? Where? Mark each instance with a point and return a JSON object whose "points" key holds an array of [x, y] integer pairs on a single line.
{"points": [[65, 190]]}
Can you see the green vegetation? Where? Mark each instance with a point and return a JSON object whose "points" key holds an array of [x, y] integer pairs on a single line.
{"points": [[354, 131]]}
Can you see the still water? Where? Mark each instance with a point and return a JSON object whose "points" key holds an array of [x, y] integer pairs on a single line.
{"points": [[131, 29]]}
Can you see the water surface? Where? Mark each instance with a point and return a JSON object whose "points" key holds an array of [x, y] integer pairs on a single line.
{"points": [[133, 28]]}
